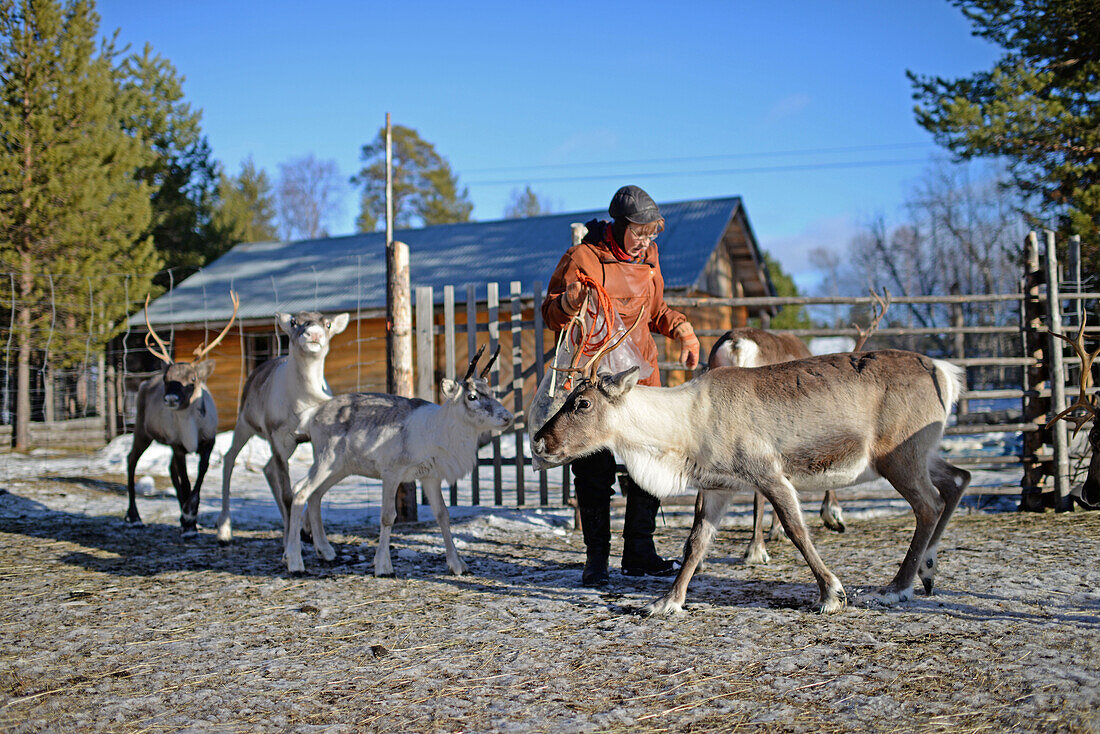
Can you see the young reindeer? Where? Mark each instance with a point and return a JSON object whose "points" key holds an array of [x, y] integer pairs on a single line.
{"points": [[278, 398], [749, 347], [175, 409], [823, 422], [397, 440]]}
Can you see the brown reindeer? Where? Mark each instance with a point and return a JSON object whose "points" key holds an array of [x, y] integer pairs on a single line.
{"points": [[175, 409], [824, 422], [1090, 491]]}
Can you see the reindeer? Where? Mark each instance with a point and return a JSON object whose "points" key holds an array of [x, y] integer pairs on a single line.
{"points": [[1090, 490], [823, 422], [175, 409], [278, 398], [397, 440], [749, 347]]}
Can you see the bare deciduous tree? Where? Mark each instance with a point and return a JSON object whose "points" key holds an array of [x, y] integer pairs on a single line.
{"points": [[307, 197]]}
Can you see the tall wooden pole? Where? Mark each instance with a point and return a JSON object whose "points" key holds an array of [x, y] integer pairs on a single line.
{"points": [[1057, 376], [398, 323]]}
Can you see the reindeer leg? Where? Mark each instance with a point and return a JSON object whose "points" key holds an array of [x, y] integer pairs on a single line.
{"points": [[313, 514], [756, 553], [432, 488], [831, 513], [713, 505], [951, 482], [318, 479], [141, 442], [700, 510], [177, 468], [204, 464], [781, 493], [910, 477], [241, 433], [383, 563]]}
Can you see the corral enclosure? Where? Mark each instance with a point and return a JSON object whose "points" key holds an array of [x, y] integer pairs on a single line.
{"points": [[124, 630]]}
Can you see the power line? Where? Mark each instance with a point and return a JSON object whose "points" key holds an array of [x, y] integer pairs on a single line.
{"points": [[708, 172], [690, 159]]}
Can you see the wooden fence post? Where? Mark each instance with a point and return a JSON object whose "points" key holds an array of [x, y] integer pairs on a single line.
{"points": [[516, 328], [471, 350], [1035, 406], [1057, 376], [492, 298]]}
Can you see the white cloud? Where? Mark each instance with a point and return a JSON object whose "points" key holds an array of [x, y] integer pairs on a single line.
{"points": [[587, 143], [787, 107], [793, 251]]}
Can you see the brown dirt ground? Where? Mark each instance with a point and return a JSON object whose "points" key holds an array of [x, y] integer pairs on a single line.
{"points": [[111, 629]]}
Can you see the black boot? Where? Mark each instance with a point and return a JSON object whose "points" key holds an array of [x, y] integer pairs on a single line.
{"points": [[596, 528], [639, 554]]}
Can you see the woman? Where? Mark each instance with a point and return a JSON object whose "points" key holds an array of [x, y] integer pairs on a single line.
{"points": [[621, 255]]}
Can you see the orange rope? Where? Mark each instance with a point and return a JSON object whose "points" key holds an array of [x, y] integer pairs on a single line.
{"points": [[602, 306]]}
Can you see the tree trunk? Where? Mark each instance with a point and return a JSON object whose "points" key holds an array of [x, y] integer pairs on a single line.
{"points": [[21, 436]]}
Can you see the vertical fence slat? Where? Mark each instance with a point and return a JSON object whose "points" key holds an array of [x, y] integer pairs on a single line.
{"points": [[1057, 376], [471, 349], [425, 344], [536, 288], [492, 302], [516, 329], [1034, 407], [449, 352]]}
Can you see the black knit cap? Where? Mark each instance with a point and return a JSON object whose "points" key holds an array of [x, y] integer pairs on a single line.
{"points": [[634, 205]]}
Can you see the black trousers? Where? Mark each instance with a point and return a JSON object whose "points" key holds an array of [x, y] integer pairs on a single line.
{"points": [[593, 479]]}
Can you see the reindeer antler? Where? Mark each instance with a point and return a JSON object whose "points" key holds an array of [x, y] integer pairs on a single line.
{"points": [[882, 304], [594, 363], [1083, 401], [473, 362], [489, 365], [152, 334], [204, 349]]}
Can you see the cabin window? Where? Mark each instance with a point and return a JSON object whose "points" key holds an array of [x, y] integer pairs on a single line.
{"points": [[258, 348]]}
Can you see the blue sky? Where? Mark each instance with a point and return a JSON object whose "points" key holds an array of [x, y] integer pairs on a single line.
{"points": [[801, 108]]}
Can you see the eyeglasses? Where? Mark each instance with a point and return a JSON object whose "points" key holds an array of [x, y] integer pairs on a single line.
{"points": [[642, 237]]}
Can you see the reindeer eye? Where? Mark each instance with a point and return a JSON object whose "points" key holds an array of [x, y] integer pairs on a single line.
{"points": [[471, 396], [294, 322], [583, 404]]}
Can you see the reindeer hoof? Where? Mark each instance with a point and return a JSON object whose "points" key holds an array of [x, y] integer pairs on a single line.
{"points": [[134, 522], [928, 583], [757, 556], [663, 607]]}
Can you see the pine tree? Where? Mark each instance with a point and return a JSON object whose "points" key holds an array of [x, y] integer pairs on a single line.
{"points": [[181, 173], [245, 210], [425, 189], [525, 203], [1037, 107], [70, 207], [789, 317]]}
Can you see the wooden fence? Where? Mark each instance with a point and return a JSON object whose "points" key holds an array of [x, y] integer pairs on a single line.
{"points": [[1003, 340], [1008, 359]]}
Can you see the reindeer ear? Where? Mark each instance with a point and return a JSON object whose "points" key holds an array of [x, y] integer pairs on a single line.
{"points": [[619, 384], [204, 369], [339, 323], [450, 388], [284, 321]]}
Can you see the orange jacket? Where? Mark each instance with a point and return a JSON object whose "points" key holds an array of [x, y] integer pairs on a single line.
{"points": [[631, 286]]}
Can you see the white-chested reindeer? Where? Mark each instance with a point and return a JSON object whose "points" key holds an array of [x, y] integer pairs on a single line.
{"points": [[397, 440], [749, 347], [279, 396], [823, 422], [175, 409]]}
